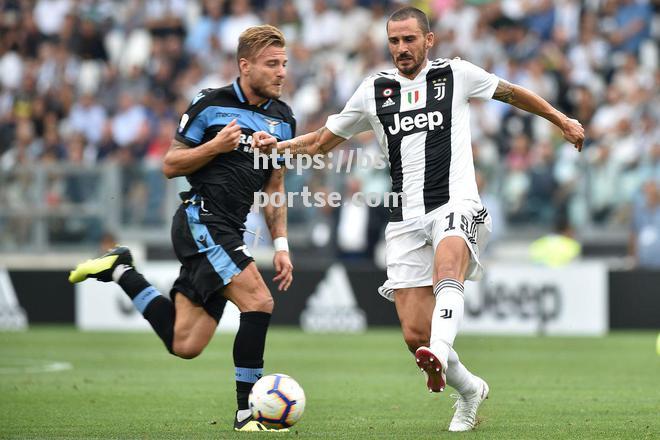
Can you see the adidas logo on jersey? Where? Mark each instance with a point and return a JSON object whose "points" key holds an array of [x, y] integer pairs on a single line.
{"points": [[388, 103], [420, 120]]}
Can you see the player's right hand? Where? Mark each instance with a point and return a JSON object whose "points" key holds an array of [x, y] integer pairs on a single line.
{"points": [[283, 269], [263, 141], [228, 138], [573, 132]]}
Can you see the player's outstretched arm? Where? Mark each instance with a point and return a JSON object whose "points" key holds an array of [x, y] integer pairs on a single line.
{"points": [[275, 216], [181, 160], [527, 100], [318, 142]]}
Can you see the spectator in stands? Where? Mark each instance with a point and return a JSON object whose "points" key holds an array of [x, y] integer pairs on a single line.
{"points": [[650, 167], [556, 249], [88, 42], [165, 17], [153, 177], [320, 25], [204, 38], [241, 18], [30, 38], [88, 117], [516, 182], [25, 149], [633, 19], [644, 245], [352, 19], [541, 203], [81, 185], [128, 125], [492, 203], [289, 22], [603, 178], [51, 14]]}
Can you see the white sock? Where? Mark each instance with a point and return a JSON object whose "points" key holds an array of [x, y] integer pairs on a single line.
{"points": [[447, 316], [458, 377], [243, 414]]}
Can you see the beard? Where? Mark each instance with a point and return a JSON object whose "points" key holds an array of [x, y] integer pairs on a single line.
{"points": [[262, 91], [416, 63], [409, 70]]}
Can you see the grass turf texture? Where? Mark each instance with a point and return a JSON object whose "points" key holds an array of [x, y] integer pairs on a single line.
{"points": [[124, 385]]}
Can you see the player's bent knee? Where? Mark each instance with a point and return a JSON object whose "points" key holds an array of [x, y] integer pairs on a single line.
{"points": [[259, 299], [251, 296], [443, 271], [187, 352], [263, 303], [187, 349]]}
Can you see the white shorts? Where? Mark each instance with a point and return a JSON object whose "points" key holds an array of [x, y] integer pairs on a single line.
{"points": [[410, 244]]}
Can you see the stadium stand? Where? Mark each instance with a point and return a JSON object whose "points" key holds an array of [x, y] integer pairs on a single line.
{"points": [[90, 91]]}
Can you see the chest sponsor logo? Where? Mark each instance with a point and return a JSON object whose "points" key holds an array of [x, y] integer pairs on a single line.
{"points": [[227, 115], [429, 120]]}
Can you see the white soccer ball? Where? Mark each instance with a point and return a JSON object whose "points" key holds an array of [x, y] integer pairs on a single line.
{"points": [[277, 401]]}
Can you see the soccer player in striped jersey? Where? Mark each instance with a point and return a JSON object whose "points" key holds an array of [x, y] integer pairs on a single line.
{"points": [[213, 149], [419, 112]]}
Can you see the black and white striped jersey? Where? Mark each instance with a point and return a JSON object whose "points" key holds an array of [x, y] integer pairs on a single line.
{"points": [[423, 127]]}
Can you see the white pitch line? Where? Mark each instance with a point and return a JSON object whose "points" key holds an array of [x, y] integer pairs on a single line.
{"points": [[32, 366]]}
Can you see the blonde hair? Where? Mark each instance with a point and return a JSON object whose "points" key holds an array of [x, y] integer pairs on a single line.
{"points": [[255, 39]]}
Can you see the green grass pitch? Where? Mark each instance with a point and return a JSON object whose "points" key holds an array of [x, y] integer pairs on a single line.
{"points": [[124, 385]]}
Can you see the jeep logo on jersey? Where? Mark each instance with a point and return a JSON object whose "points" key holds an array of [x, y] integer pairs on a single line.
{"points": [[420, 120]]}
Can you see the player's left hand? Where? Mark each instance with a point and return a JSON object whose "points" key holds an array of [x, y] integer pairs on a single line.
{"points": [[573, 132], [284, 270], [263, 141]]}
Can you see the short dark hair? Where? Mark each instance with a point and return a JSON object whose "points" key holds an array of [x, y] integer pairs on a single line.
{"points": [[410, 12]]}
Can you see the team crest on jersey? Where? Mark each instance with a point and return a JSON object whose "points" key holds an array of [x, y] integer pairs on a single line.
{"points": [[439, 87], [413, 97], [271, 124]]}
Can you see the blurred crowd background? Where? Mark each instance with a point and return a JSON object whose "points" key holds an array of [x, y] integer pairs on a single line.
{"points": [[91, 92]]}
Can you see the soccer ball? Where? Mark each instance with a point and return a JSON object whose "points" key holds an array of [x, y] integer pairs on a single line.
{"points": [[277, 401]]}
